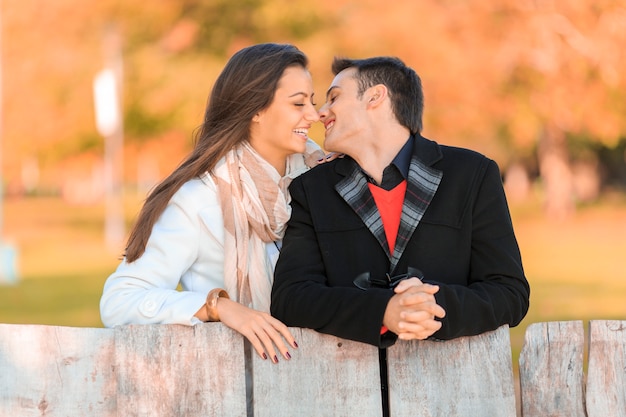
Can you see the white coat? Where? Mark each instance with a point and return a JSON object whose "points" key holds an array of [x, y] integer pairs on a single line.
{"points": [[186, 248]]}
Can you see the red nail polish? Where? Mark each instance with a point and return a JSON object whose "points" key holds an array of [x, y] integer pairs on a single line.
{"points": [[295, 344], [288, 355], [275, 359], [264, 356]]}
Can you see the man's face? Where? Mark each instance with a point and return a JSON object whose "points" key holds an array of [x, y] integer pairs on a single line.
{"points": [[344, 114]]}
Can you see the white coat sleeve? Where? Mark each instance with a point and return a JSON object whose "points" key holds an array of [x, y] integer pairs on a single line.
{"points": [[145, 291]]}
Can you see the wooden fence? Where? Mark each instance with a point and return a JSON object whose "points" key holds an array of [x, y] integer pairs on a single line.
{"points": [[170, 370]]}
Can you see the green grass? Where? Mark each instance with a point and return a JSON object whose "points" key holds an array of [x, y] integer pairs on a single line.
{"points": [[68, 300], [62, 262], [575, 266]]}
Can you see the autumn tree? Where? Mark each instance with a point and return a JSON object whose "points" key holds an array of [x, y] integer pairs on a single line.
{"points": [[516, 79], [563, 61], [522, 81]]}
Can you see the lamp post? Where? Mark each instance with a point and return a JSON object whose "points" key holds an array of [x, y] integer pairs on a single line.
{"points": [[107, 100], [8, 254]]}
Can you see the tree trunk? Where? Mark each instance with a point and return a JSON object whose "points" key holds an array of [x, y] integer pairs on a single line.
{"points": [[556, 173]]}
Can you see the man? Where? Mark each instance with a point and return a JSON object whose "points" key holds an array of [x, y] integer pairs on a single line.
{"points": [[402, 237]]}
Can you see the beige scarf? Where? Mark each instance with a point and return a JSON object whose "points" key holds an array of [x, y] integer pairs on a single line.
{"points": [[255, 206]]}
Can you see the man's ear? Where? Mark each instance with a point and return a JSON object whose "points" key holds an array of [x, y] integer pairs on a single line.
{"points": [[376, 95]]}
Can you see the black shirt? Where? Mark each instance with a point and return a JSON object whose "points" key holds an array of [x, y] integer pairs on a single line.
{"points": [[398, 170]]}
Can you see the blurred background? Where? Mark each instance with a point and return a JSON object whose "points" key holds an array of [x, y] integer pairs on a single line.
{"points": [[538, 86]]}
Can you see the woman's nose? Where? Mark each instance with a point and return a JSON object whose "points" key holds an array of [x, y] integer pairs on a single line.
{"points": [[312, 115]]}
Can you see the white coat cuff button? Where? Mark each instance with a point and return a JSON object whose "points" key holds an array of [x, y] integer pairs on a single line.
{"points": [[149, 308]]}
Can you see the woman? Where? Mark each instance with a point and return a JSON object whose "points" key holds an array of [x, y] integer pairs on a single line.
{"points": [[214, 224]]}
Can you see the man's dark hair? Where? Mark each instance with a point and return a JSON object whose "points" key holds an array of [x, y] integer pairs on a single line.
{"points": [[403, 83]]}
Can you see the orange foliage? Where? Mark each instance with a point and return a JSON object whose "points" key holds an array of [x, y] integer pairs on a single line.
{"points": [[494, 72]]}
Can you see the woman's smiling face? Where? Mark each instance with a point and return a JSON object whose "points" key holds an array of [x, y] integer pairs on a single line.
{"points": [[282, 128]]}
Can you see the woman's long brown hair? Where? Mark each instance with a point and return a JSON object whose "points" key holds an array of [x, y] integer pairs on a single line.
{"points": [[245, 87]]}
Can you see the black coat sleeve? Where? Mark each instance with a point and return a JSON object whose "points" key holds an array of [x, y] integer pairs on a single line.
{"points": [[494, 290]]}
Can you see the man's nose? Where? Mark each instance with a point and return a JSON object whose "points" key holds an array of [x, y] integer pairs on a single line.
{"points": [[323, 111]]}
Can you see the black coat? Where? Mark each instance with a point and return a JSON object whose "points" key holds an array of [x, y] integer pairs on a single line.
{"points": [[455, 228]]}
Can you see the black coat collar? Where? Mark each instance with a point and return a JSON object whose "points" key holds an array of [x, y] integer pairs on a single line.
{"points": [[426, 150]]}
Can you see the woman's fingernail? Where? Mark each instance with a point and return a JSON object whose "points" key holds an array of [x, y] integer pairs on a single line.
{"points": [[288, 355], [295, 344], [275, 359], [320, 160], [264, 356]]}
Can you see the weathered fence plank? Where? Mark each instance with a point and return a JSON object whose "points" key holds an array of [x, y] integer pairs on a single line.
{"points": [[469, 376], [551, 370], [606, 380], [326, 376], [174, 370], [56, 371], [166, 370]]}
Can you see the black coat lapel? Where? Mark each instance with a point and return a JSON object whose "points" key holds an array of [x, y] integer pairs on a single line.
{"points": [[422, 184], [354, 190], [420, 190]]}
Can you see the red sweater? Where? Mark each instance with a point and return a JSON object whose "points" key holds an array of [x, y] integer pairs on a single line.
{"points": [[389, 205]]}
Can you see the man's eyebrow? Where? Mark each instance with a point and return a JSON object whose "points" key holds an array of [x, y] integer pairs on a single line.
{"points": [[332, 87]]}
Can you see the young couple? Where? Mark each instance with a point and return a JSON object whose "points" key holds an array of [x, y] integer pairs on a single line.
{"points": [[400, 238]]}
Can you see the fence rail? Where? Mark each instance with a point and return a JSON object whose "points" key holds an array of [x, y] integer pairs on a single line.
{"points": [[171, 370]]}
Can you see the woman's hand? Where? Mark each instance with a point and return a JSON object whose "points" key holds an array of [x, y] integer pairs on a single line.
{"points": [[329, 157], [261, 329]]}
